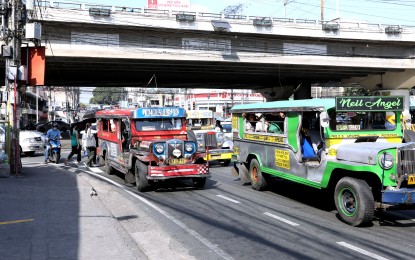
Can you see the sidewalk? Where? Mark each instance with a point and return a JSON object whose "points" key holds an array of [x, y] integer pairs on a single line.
{"points": [[48, 213]]}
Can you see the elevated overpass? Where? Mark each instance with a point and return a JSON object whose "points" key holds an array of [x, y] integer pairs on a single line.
{"points": [[90, 45]]}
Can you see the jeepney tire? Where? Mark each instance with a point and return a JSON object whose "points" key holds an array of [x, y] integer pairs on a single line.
{"points": [[226, 162], [199, 183], [100, 160], [108, 168], [354, 201], [258, 181], [141, 176]]}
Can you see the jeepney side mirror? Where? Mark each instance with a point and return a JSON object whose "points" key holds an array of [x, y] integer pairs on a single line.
{"points": [[324, 119]]}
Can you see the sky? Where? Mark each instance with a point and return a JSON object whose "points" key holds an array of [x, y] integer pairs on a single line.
{"points": [[390, 12]]}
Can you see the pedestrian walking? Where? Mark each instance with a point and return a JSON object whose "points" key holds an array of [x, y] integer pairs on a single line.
{"points": [[90, 145], [76, 146]]}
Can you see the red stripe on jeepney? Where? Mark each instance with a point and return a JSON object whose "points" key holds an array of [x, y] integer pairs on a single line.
{"points": [[179, 170]]}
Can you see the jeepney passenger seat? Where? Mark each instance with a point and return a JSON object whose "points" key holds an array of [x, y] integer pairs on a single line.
{"points": [[308, 152]]}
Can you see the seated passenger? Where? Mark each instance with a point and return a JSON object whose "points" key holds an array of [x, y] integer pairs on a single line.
{"points": [[250, 122], [261, 125], [307, 149]]}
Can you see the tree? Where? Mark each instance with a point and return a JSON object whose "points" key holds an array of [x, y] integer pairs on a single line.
{"points": [[108, 95], [355, 90]]}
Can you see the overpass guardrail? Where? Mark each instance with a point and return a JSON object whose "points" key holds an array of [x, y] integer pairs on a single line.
{"points": [[335, 24]]}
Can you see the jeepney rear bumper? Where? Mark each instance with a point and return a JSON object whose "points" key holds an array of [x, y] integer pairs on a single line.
{"points": [[222, 154], [178, 171], [403, 196]]}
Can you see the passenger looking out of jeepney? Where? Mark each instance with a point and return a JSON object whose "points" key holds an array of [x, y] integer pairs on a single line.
{"points": [[249, 122], [262, 124], [113, 125]]}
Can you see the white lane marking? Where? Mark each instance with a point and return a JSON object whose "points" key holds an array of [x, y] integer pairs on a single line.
{"points": [[362, 251], [229, 199], [95, 170], [281, 219], [196, 235]]}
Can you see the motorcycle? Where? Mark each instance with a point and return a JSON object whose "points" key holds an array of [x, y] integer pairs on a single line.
{"points": [[55, 150]]}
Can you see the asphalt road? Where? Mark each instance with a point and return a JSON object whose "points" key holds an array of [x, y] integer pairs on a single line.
{"points": [[229, 221]]}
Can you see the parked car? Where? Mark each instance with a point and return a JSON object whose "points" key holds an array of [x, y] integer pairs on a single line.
{"points": [[32, 142], [62, 126]]}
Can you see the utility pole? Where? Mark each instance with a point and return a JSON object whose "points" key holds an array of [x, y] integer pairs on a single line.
{"points": [[322, 10], [13, 19]]}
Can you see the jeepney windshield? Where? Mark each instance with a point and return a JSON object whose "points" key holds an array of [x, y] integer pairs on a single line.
{"points": [[355, 121], [199, 122], [153, 124]]}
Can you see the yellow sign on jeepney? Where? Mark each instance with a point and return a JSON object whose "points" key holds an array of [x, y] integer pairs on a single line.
{"points": [[282, 159], [264, 138]]}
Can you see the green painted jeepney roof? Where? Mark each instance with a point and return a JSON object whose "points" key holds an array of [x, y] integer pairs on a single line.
{"points": [[315, 104]]}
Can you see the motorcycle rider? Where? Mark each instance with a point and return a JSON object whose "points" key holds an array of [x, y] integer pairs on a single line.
{"points": [[52, 134]]}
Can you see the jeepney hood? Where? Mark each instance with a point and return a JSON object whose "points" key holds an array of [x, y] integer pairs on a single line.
{"points": [[365, 152]]}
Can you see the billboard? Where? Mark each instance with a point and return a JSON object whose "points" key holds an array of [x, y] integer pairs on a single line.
{"points": [[178, 5]]}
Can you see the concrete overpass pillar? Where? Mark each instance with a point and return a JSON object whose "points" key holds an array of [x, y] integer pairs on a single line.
{"points": [[303, 91]]}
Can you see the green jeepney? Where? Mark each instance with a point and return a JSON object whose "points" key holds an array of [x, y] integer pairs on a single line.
{"points": [[350, 146]]}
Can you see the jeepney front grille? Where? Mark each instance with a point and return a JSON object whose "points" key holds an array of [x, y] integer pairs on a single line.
{"points": [[171, 146], [406, 160]]}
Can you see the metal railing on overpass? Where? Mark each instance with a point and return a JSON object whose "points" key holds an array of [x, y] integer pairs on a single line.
{"points": [[332, 24]]}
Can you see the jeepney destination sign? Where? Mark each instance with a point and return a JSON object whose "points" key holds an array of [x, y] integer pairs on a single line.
{"points": [[373, 103], [158, 112]]}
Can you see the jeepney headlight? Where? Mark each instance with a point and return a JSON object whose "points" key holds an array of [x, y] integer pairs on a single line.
{"points": [[386, 161], [159, 148], [189, 147]]}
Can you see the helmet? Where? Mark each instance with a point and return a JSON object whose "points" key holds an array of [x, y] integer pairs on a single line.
{"points": [[55, 125]]}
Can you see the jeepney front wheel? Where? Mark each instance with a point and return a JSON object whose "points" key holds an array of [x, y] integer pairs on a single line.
{"points": [[141, 176], [226, 162], [354, 201], [199, 183], [258, 181]]}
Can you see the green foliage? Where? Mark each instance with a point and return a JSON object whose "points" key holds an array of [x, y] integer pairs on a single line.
{"points": [[108, 95], [356, 91]]}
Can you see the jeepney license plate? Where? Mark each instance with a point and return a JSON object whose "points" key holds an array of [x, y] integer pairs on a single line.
{"points": [[177, 161], [411, 179]]}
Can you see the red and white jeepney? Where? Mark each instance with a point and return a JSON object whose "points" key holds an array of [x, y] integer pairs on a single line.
{"points": [[149, 145]]}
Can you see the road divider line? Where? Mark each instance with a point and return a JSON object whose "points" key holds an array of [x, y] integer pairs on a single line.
{"points": [[229, 199], [362, 251], [16, 221], [281, 219], [196, 235]]}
